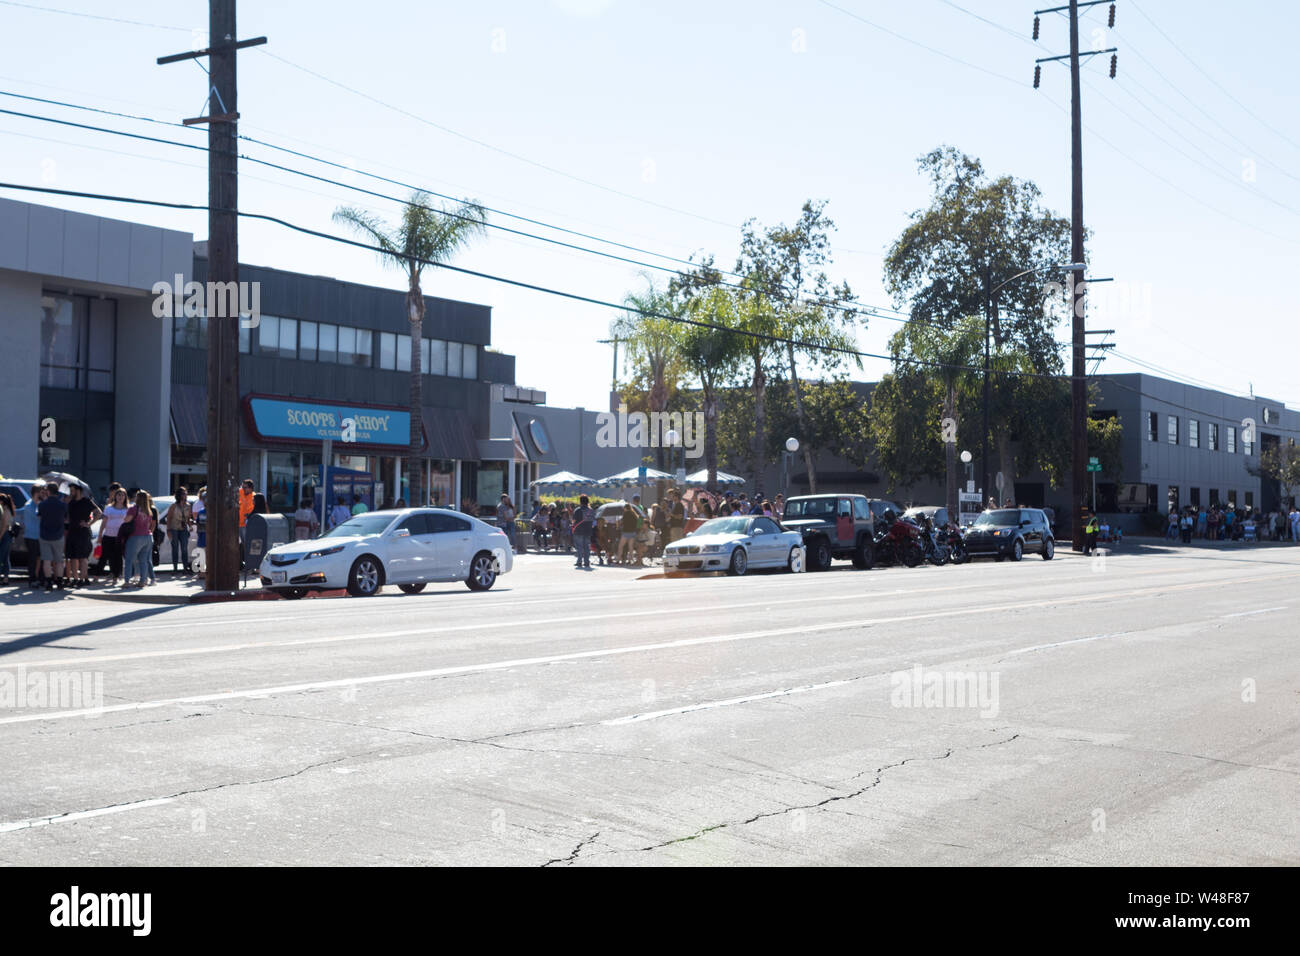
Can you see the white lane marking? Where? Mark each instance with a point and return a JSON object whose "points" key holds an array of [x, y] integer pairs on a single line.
{"points": [[1077, 640], [583, 655], [731, 701], [35, 822], [1266, 610]]}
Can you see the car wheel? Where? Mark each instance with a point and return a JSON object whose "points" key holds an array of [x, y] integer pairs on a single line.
{"points": [[482, 572], [796, 563], [863, 555], [1049, 549], [1017, 550], [739, 563], [819, 558], [366, 577], [293, 594], [412, 588]]}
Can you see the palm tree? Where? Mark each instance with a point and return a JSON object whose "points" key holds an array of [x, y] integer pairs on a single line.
{"points": [[425, 236], [651, 342]]}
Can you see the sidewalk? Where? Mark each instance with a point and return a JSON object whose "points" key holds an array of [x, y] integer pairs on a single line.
{"points": [[170, 589]]}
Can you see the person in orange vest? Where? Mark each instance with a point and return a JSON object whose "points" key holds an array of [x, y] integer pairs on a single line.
{"points": [[245, 501]]}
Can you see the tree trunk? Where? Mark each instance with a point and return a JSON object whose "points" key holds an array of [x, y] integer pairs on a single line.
{"points": [[711, 439], [803, 422], [1007, 464], [759, 446], [415, 311], [659, 403], [950, 453]]}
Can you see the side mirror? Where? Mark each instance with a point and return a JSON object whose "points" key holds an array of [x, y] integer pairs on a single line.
{"points": [[402, 533]]}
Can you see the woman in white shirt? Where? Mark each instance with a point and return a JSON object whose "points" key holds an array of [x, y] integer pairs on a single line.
{"points": [[111, 544]]}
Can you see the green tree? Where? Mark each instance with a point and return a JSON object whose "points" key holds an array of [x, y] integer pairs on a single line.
{"points": [[1280, 463], [963, 255], [649, 332], [713, 352], [425, 236]]}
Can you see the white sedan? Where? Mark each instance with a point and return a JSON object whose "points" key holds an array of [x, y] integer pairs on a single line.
{"points": [[409, 548], [736, 544]]}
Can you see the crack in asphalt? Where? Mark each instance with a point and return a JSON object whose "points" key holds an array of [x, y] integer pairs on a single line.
{"points": [[572, 857], [879, 772]]}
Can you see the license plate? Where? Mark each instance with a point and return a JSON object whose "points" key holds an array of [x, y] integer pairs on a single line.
{"points": [[670, 562], [279, 577]]}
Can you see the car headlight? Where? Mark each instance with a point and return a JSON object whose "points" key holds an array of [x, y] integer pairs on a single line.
{"points": [[711, 548], [1001, 532], [324, 551]]}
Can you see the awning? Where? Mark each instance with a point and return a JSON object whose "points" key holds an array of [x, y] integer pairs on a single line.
{"points": [[450, 434], [534, 436], [189, 414]]}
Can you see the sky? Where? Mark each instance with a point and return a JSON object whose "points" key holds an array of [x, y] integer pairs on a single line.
{"points": [[666, 125]]}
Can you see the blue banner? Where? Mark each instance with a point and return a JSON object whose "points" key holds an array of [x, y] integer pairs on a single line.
{"points": [[277, 418]]}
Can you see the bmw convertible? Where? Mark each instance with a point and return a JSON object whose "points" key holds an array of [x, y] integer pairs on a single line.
{"points": [[735, 545]]}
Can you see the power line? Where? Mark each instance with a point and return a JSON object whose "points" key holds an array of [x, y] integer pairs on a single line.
{"points": [[92, 16]]}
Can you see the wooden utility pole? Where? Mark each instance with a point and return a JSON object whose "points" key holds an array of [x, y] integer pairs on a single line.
{"points": [[1078, 494], [222, 549]]}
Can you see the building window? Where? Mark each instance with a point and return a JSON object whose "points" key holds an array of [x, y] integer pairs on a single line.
{"points": [[1152, 424], [190, 331], [1248, 441], [1193, 433], [1214, 497], [327, 343], [437, 357], [1232, 440], [403, 353], [78, 342], [307, 335], [356, 347], [387, 350], [1213, 438], [1195, 495], [1250, 499], [469, 362], [1173, 429], [454, 350]]}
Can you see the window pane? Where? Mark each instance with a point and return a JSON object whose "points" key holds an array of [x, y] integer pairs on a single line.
{"points": [[1173, 429], [328, 345], [268, 335], [364, 349], [61, 341], [403, 353], [288, 338], [424, 356], [453, 359], [307, 341], [245, 337], [469, 367], [387, 350], [100, 345], [1232, 440], [437, 357]]}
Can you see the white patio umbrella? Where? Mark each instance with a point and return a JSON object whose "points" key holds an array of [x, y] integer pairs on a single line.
{"points": [[564, 479], [633, 477], [700, 478]]}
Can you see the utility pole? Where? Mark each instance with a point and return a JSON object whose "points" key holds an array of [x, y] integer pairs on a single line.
{"points": [[1078, 286], [613, 379], [222, 554]]}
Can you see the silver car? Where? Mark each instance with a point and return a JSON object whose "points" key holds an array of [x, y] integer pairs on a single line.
{"points": [[736, 544]]}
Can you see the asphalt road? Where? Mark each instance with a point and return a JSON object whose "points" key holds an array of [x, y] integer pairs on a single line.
{"points": [[1144, 709]]}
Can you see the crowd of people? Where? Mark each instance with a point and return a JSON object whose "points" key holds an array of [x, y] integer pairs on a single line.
{"points": [[1226, 523]]}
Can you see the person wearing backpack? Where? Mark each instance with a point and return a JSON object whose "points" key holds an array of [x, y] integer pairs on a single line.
{"points": [[584, 523]]}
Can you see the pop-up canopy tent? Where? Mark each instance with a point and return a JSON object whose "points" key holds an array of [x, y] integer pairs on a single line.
{"points": [[633, 477], [565, 479], [700, 479]]}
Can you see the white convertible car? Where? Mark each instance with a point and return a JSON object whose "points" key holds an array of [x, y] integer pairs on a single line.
{"points": [[409, 548], [736, 544]]}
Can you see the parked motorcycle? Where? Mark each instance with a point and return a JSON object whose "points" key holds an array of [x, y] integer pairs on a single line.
{"points": [[957, 552], [933, 543], [899, 543]]}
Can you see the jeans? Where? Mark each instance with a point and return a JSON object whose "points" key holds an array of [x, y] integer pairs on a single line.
{"points": [[583, 544], [181, 549], [509, 529], [6, 544], [112, 546], [139, 557]]}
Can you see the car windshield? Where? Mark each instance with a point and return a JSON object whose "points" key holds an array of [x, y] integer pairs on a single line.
{"points": [[810, 508], [1002, 516], [724, 526], [371, 522]]}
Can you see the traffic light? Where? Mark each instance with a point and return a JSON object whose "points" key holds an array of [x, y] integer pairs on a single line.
{"points": [[1036, 25], [1038, 73], [1113, 61], [1110, 21]]}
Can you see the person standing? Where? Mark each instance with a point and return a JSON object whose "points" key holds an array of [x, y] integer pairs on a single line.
{"points": [[584, 523], [31, 523], [677, 519], [53, 515], [201, 517], [506, 519], [110, 544], [7, 522], [628, 523], [245, 503], [1090, 532], [82, 512], [339, 513], [178, 519], [139, 546], [305, 522], [358, 506]]}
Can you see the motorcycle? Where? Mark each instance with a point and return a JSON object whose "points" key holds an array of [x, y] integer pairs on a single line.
{"points": [[957, 552], [933, 544], [900, 543]]}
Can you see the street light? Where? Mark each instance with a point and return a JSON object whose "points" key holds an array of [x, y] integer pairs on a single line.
{"points": [[673, 440], [988, 321], [791, 446]]}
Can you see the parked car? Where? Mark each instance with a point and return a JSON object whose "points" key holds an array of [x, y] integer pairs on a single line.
{"points": [[833, 526], [736, 544], [410, 548], [1011, 533]]}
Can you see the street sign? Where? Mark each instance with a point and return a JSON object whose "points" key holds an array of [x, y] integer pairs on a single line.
{"points": [[1094, 462], [640, 475], [999, 481], [1093, 465]]}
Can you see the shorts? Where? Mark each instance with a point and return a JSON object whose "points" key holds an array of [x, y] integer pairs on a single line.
{"points": [[628, 536], [52, 550], [79, 545]]}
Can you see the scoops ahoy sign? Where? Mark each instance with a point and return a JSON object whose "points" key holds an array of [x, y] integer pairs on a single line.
{"points": [[294, 420]]}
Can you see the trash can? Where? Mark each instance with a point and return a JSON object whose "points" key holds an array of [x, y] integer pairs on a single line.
{"points": [[261, 534]]}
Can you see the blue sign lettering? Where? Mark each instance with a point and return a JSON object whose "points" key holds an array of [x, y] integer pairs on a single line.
{"points": [[275, 418]]}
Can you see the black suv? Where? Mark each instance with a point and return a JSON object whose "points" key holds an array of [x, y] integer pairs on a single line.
{"points": [[833, 526], [1011, 533]]}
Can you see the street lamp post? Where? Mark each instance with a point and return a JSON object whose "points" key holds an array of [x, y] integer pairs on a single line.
{"points": [[988, 324], [791, 446], [673, 440]]}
